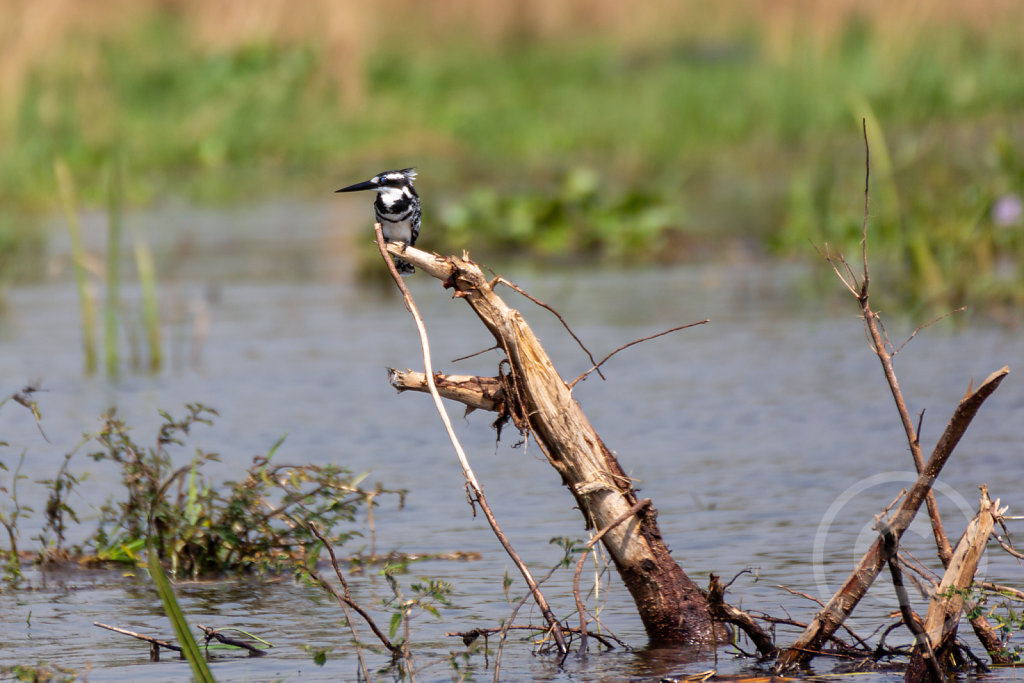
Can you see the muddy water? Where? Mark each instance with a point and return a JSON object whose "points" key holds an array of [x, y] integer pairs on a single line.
{"points": [[766, 439]]}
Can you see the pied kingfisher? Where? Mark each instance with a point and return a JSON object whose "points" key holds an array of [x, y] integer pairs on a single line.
{"points": [[397, 208]]}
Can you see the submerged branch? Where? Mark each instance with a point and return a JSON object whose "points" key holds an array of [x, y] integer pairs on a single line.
{"points": [[726, 612]]}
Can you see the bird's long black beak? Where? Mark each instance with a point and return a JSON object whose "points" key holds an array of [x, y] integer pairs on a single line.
{"points": [[368, 185]]}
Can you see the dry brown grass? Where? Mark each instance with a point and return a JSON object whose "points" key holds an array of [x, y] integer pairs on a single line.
{"points": [[37, 30]]}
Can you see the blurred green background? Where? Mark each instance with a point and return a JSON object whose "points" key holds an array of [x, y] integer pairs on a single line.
{"points": [[575, 130]]}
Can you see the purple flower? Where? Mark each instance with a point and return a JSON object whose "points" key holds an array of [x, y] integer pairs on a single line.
{"points": [[1007, 210]]}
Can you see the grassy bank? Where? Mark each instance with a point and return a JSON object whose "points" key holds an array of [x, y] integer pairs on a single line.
{"points": [[682, 123]]}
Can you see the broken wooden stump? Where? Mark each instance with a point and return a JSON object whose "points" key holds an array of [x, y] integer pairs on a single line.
{"points": [[947, 602]]}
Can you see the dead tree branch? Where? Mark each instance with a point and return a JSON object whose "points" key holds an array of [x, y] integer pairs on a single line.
{"points": [[847, 597], [476, 492], [154, 643], [890, 546], [845, 600], [211, 633], [842, 604], [477, 393], [672, 607]]}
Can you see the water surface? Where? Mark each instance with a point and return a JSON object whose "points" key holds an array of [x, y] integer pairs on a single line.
{"points": [[767, 439]]}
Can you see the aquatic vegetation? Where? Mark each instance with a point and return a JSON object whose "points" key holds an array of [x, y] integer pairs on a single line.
{"points": [[40, 673], [947, 232], [202, 527], [583, 217], [195, 525], [114, 318], [739, 131], [12, 510], [86, 302]]}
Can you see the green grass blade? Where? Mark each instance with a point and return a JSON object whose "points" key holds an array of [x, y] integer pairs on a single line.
{"points": [[114, 202], [200, 668], [86, 305], [191, 505], [150, 306]]}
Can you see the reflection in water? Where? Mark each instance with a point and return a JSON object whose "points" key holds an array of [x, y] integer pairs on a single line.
{"points": [[743, 432]]}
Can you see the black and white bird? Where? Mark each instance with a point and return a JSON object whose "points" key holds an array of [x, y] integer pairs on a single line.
{"points": [[397, 208]]}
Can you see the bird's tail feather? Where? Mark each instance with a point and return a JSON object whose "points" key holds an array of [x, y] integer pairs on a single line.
{"points": [[404, 267]]}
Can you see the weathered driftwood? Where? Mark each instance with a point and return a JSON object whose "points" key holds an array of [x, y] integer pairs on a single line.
{"points": [[673, 609], [842, 604], [947, 602]]}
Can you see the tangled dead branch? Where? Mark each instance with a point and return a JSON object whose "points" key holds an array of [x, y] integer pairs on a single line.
{"points": [[853, 589], [672, 607]]}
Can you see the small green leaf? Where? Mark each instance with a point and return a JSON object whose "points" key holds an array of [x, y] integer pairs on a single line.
{"points": [[396, 620]]}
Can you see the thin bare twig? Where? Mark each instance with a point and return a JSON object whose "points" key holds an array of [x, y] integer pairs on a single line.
{"points": [[890, 545], [149, 639], [1009, 548], [346, 601], [928, 324], [583, 556], [845, 627], [835, 261], [560, 319], [867, 207], [504, 634], [477, 493], [737, 575], [1004, 591], [801, 594], [633, 343], [475, 353], [876, 330]]}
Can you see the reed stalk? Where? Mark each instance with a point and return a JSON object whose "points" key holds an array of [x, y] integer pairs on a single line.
{"points": [[114, 208], [150, 305], [86, 301]]}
